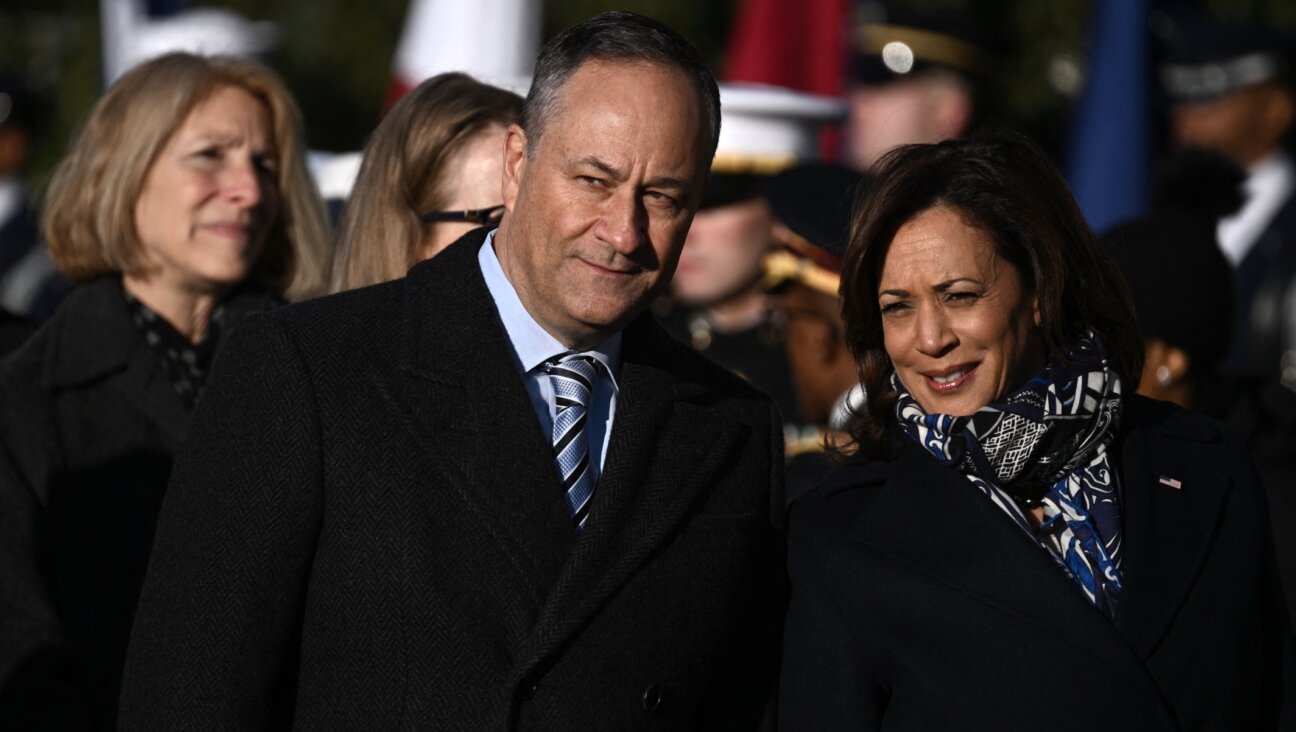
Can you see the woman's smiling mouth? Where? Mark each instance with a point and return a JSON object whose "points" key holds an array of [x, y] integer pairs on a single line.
{"points": [[948, 380]]}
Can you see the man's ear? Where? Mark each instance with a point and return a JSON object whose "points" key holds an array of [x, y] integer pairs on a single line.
{"points": [[1178, 361], [515, 158], [15, 143], [1279, 111]]}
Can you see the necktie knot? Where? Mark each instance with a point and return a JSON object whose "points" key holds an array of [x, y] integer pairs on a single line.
{"points": [[572, 377]]}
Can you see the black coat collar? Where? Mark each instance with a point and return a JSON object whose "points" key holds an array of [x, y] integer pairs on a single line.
{"points": [[92, 339], [94, 335], [924, 514]]}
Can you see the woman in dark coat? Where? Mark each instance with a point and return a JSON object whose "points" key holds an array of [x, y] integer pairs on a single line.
{"points": [[183, 207], [1020, 541]]}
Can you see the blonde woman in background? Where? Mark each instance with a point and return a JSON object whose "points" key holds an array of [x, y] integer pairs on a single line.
{"points": [[182, 208], [431, 172]]}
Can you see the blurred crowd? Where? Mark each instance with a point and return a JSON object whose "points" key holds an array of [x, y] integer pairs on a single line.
{"points": [[185, 206]]}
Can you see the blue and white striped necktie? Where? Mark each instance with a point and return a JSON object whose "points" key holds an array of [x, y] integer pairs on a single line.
{"points": [[572, 378]]}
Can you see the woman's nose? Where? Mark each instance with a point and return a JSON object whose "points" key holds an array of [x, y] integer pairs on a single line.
{"points": [[935, 336], [243, 183]]}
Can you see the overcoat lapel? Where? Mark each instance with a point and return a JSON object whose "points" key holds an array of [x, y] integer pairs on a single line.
{"points": [[664, 451], [459, 394], [931, 518], [103, 343], [1169, 531]]}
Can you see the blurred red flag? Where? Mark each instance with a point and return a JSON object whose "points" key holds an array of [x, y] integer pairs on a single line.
{"points": [[799, 44]]}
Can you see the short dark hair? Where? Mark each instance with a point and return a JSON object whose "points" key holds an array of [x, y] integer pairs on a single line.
{"points": [[1006, 186], [614, 36]]}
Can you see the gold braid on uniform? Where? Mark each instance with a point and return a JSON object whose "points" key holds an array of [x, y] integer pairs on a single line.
{"points": [[814, 440]]}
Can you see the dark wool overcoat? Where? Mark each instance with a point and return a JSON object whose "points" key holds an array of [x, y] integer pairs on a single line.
{"points": [[367, 531], [917, 604], [89, 424]]}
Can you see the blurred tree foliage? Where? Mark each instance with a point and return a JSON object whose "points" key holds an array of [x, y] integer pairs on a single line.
{"points": [[337, 55], [54, 46]]}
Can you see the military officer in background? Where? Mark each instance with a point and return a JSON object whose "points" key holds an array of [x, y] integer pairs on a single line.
{"points": [[1231, 91], [913, 77], [812, 205], [718, 303], [29, 287]]}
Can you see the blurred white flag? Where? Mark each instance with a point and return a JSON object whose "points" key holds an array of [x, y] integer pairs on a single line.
{"points": [[131, 34], [495, 41]]}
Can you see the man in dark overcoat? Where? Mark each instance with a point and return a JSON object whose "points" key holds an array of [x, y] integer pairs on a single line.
{"points": [[494, 494]]}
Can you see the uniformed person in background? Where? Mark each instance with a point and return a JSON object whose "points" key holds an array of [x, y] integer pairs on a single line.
{"points": [[718, 303], [1230, 90], [1174, 250], [29, 287], [811, 205], [912, 78]]}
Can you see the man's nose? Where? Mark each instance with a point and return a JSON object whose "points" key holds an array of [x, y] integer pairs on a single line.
{"points": [[623, 222]]}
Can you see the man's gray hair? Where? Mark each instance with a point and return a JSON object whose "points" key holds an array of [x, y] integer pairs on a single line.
{"points": [[614, 36]]}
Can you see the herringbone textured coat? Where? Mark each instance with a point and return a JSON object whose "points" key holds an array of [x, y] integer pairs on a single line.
{"points": [[367, 531]]}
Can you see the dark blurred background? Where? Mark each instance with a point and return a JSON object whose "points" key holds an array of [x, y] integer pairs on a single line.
{"points": [[337, 56]]}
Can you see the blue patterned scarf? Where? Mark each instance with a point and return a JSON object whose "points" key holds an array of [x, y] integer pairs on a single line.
{"points": [[1046, 444]]}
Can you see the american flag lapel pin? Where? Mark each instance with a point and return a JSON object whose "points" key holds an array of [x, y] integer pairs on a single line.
{"points": [[1171, 482]]}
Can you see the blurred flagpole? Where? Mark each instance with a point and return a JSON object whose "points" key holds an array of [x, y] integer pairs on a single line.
{"points": [[495, 41], [117, 20], [1110, 147], [797, 44]]}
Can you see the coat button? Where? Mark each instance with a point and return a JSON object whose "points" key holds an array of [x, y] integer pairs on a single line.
{"points": [[529, 688], [652, 698]]}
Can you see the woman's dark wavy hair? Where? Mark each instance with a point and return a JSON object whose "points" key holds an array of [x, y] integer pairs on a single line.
{"points": [[1006, 186]]}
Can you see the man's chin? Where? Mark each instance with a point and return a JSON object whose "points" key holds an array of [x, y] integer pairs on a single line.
{"points": [[597, 325]]}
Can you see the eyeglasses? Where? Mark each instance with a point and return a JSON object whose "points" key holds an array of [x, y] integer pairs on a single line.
{"points": [[482, 216]]}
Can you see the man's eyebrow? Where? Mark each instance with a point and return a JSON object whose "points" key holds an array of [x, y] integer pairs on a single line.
{"points": [[608, 170], [602, 167], [667, 182]]}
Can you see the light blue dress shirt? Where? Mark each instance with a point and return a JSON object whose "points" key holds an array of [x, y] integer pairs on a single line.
{"points": [[532, 346]]}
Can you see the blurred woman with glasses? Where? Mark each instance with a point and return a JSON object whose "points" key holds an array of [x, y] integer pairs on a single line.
{"points": [[431, 172]]}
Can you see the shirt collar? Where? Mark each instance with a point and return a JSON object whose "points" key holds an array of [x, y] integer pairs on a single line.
{"points": [[532, 344], [1271, 177], [1268, 186]]}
